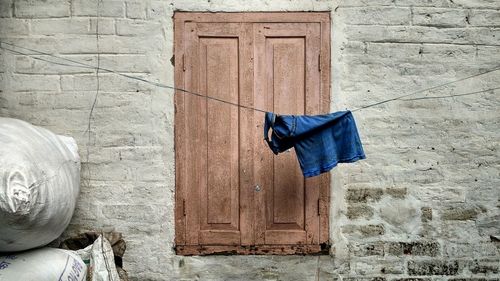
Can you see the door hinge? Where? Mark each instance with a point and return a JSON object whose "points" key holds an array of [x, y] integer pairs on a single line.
{"points": [[183, 207], [183, 63], [318, 209], [319, 62]]}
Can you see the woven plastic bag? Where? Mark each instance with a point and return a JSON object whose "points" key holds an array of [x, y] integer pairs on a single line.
{"points": [[100, 258], [39, 185], [45, 264]]}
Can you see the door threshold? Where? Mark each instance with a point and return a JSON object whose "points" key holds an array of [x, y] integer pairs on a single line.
{"points": [[195, 250]]}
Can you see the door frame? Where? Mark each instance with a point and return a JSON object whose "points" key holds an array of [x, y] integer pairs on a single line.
{"points": [[180, 20]]}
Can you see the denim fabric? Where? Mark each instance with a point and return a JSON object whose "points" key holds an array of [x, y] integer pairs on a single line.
{"points": [[320, 141]]}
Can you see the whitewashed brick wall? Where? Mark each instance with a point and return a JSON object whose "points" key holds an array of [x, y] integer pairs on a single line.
{"points": [[425, 205]]}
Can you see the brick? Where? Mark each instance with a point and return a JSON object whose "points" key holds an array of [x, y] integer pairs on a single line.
{"points": [[448, 52], [425, 3], [113, 135], [460, 212], [41, 9], [106, 172], [484, 18], [106, 26], [375, 15], [440, 17], [118, 116], [28, 65], [461, 230], [471, 279], [110, 8], [488, 226], [359, 211], [13, 27], [153, 171], [375, 266], [23, 82], [80, 83], [411, 279], [27, 98], [433, 267], [484, 266], [426, 214], [420, 34], [60, 26], [5, 9], [364, 195], [487, 4], [137, 27], [399, 193], [129, 45], [441, 194], [136, 10], [417, 248], [369, 2], [482, 193], [118, 63], [364, 279], [107, 82], [66, 100], [367, 249], [100, 193], [83, 100], [130, 213], [158, 10], [67, 44], [354, 49], [2, 63], [364, 230], [127, 63], [465, 249], [48, 119]]}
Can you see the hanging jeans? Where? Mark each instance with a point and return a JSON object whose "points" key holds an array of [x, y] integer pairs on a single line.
{"points": [[320, 141]]}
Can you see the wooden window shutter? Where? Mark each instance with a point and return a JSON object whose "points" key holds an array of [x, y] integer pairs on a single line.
{"points": [[232, 194]]}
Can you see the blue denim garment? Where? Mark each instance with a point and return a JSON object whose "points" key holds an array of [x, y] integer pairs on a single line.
{"points": [[320, 141]]}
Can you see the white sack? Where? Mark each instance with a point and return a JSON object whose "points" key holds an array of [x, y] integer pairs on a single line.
{"points": [[39, 185], [46, 264], [101, 261]]}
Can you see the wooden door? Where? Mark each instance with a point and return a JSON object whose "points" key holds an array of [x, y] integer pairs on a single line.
{"points": [[232, 194], [287, 81], [210, 173]]}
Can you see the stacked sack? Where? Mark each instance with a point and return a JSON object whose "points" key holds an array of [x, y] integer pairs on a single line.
{"points": [[39, 185]]}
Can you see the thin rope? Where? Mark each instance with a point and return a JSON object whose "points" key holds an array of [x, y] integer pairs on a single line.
{"points": [[89, 124], [429, 89], [88, 66], [449, 96]]}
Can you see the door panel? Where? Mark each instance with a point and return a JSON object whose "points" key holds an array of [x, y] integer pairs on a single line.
{"points": [[286, 76], [213, 70], [219, 79], [285, 60]]}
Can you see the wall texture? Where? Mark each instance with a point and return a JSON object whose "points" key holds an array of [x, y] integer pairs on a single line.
{"points": [[425, 205]]}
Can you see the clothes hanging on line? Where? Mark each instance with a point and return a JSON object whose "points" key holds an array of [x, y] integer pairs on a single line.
{"points": [[320, 141]]}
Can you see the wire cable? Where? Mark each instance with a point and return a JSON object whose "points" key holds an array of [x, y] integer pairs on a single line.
{"points": [[88, 66]]}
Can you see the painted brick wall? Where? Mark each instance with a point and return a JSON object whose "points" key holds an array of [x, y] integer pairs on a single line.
{"points": [[425, 205]]}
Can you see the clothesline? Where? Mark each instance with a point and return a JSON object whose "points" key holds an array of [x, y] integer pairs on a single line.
{"points": [[98, 68]]}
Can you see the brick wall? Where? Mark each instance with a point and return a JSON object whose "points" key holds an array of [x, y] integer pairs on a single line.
{"points": [[423, 206]]}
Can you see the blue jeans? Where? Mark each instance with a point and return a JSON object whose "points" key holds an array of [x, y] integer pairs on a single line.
{"points": [[320, 141]]}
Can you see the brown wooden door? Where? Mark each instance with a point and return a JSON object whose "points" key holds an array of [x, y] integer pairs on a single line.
{"points": [[232, 193], [287, 81], [213, 53]]}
